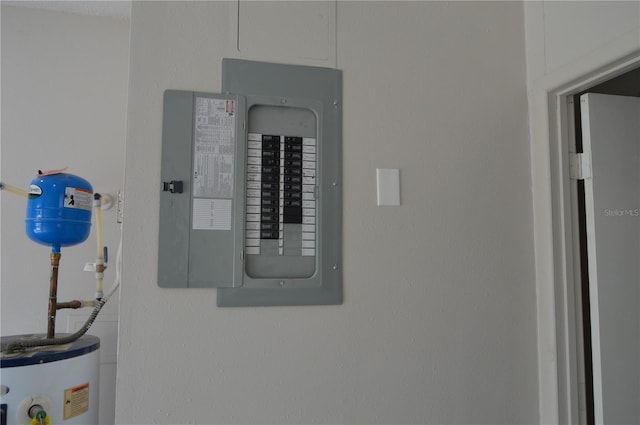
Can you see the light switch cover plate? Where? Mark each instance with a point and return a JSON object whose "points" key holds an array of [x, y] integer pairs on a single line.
{"points": [[388, 184]]}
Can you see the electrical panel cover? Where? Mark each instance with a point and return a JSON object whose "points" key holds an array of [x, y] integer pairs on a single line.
{"points": [[251, 190]]}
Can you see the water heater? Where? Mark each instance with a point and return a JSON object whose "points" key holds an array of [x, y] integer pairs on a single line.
{"points": [[54, 378], [61, 381]]}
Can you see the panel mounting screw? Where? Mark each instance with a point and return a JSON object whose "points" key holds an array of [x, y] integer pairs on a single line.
{"points": [[283, 100], [335, 103], [334, 184], [282, 283], [335, 267]]}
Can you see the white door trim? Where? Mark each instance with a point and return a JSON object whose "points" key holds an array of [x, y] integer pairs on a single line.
{"points": [[555, 261]]}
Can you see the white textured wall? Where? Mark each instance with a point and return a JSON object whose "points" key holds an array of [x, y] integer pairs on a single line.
{"points": [[562, 36], [438, 324], [64, 94]]}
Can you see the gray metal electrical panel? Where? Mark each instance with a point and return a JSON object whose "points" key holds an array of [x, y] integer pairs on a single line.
{"points": [[251, 199]]}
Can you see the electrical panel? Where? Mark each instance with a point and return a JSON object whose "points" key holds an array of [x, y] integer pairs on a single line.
{"points": [[251, 190]]}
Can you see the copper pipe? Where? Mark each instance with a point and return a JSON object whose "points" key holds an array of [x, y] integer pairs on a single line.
{"points": [[69, 304], [53, 294]]}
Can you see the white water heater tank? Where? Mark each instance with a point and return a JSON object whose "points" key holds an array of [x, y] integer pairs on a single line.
{"points": [[63, 380]]}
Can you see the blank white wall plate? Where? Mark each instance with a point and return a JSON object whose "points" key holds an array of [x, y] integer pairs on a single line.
{"points": [[388, 184]]}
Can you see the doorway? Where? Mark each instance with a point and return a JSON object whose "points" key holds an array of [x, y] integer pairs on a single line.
{"points": [[610, 389]]}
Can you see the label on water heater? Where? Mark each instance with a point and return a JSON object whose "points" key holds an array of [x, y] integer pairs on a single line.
{"points": [[76, 401], [78, 198]]}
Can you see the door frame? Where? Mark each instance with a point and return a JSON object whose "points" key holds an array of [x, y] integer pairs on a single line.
{"points": [[556, 235]]}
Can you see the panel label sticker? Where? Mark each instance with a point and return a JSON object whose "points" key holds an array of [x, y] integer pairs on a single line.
{"points": [[214, 148], [213, 163], [211, 214]]}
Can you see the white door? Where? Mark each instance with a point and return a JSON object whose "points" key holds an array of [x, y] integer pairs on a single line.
{"points": [[611, 138]]}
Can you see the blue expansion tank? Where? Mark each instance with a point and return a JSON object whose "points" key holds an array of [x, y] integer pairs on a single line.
{"points": [[59, 210]]}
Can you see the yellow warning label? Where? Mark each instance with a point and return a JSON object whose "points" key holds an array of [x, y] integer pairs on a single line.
{"points": [[76, 401]]}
